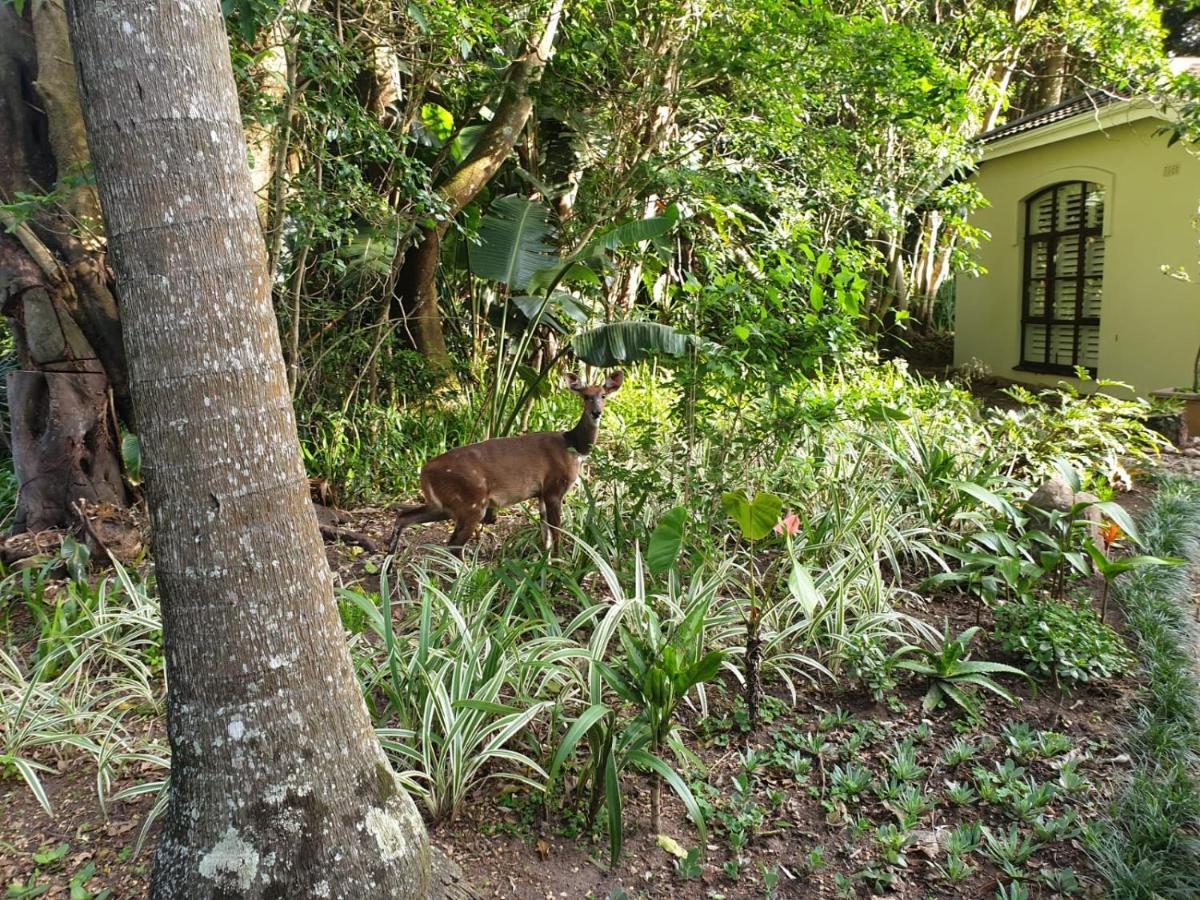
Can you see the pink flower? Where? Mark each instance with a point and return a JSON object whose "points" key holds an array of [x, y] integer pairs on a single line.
{"points": [[789, 524]]}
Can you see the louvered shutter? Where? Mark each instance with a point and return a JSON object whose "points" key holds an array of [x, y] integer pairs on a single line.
{"points": [[1063, 280]]}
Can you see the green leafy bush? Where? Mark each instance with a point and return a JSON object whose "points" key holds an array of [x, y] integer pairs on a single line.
{"points": [[952, 674], [1093, 431], [1060, 641]]}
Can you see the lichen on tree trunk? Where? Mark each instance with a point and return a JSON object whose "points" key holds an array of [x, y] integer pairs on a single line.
{"points": [[279, 787]]}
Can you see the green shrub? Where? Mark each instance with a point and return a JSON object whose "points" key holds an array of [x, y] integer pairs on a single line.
{"points": [[1060, 641], [1092, 431]]}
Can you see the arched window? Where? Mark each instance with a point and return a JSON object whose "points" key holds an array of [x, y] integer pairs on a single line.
{"points": [[1064, 271]]}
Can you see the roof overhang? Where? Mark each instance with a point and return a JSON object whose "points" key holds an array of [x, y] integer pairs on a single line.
{"points": [[1121, 112]]}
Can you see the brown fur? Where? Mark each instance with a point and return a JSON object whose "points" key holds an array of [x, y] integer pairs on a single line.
{"points": [[467, 484]]}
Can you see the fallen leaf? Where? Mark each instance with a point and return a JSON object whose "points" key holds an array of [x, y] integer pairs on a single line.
{"points": [[672, 846]]}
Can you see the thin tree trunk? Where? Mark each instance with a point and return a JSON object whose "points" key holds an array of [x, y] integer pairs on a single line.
{"points": [[1053, 77], [627, 287], [1002, 72], [418, 279], [279, 787], [274, 80]]}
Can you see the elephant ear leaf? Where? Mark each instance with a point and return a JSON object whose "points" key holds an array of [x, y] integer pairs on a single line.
{"points": [[627, 342], [665, 541], [514, 242]]}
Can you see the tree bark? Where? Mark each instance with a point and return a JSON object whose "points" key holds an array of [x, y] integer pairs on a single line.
{"points": [[49, 133], [62, 446], [279, 787], [54, 289], [63, 440], [417, 282], [1053, 77]]}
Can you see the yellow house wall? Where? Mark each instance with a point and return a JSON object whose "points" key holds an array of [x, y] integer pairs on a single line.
{"points": [[1149, 323]]}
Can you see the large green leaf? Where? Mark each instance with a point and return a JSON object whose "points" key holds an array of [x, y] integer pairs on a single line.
{"points": [[578, 729], [755, 518], [627, 342], [438, 121], [805, 592], [612, 796], [1124, 521], [514, 242], [464, 143], [665, 541], [632, 232], [131, 457], [604, 243], [561, 301]]}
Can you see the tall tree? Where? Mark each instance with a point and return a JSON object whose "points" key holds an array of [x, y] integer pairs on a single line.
{"points": [[279, 787], [55, 293]]}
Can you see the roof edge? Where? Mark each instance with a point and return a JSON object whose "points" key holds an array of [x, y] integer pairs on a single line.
{"points": [[1087, 121]]}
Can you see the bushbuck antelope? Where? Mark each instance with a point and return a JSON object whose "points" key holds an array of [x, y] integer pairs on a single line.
{"points": [[468, 484]]}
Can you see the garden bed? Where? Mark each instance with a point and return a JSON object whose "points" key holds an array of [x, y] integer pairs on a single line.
{"points": [[912, 576], [778, 813]]}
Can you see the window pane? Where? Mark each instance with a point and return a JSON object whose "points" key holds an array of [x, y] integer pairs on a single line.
{"points": [[1066, 257], [1037, 259], [1089, 346], [1093, 256], [1094, 208], [1041, 213], [1062, 345], [1065, 293], [1092, 288], [1035, 344], [1037, 298], [1069, 210]]}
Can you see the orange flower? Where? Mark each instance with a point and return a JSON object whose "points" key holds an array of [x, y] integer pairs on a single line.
{"points": [[1110, 533]]}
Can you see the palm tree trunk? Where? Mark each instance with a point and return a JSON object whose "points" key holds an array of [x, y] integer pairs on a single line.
{"points": [[279, 787]]}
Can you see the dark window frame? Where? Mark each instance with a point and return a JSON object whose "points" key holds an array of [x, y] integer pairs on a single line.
{"points": [[1053, 239]]}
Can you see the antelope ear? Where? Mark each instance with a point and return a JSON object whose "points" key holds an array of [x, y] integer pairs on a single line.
{"points": [[573, 382], [613, 381]]}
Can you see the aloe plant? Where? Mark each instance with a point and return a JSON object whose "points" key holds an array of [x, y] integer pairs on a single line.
{"points": [[950, 671]]}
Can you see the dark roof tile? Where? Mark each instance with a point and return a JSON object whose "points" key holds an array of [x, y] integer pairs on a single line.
{"points": [[1084, 103]]}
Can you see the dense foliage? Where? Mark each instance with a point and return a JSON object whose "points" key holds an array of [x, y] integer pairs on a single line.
{"points": [[740, 204], [813, 152]]}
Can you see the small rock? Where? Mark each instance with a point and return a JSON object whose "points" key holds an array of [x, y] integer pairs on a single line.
{"points": [[1056, 495], [931, 841]]}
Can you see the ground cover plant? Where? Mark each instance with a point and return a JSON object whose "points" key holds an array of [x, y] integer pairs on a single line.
{"points": [[912, 729], [1150, 848]]}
